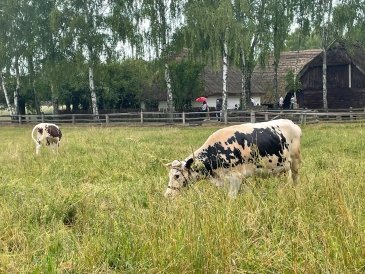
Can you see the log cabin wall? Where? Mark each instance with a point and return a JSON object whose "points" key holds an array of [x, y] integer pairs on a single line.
{"points": [[340, 92], [345, 77]]}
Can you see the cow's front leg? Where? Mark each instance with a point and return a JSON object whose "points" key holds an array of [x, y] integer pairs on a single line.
{"points": [[235, 182], [217, 182], [38, 147]]}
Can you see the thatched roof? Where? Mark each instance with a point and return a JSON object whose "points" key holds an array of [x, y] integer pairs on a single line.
{"points": [[213, 81], [262, 80]]}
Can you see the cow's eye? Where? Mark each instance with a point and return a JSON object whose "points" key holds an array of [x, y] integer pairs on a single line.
{"points": [[176, 176]]}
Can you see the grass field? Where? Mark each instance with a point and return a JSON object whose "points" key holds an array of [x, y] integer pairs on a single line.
{"points": [[98, 207]]}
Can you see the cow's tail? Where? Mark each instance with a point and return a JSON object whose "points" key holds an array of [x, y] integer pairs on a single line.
{"points": [[33, 135]]}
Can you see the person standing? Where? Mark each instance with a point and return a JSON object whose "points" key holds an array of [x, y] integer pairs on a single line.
{"points": [[218, 108], [205, 108], [281, 102], [292, 102]]}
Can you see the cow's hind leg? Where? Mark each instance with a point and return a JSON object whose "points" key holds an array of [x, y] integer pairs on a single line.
{"points": [[294, 168]]}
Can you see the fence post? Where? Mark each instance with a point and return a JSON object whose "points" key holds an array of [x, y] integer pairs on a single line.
{"points": [[266, 117], [73, 119], [183, 118], [253, 116], [107, 119], [351, 116], [42, 117], [302, 117], [20, 119], [225, 114], [141, 117]]}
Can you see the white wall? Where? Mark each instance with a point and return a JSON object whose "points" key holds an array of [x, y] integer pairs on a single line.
{"points": [[232, 100]]}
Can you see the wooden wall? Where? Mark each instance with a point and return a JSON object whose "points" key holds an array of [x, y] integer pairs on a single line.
{"points": [[339, 93], [337, 98]]}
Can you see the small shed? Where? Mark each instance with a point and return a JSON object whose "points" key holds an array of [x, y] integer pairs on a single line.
{"points": [[345, 77]]}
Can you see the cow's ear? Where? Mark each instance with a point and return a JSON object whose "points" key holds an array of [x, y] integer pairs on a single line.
{"points": [[188, 163], [175, 164]]}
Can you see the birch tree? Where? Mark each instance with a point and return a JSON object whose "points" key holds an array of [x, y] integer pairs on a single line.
{"points": [[163, 17], [13, 42], [281, 14], [91, 37], [211, 29], [4, 55], [253, 46], [303, 9], [3, 88], [322, 21], [325, 31]]}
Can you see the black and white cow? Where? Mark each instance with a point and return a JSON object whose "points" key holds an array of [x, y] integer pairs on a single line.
{"points": [[48, 133], [234, 153]]}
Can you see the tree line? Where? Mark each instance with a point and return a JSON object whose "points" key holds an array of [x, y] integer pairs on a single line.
{"points": [[101, 54]]}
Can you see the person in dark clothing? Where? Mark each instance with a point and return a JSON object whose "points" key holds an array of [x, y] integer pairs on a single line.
{"points": [[205, 109], [218, 108]]}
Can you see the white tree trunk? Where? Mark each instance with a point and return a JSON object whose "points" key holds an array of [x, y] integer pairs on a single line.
{"points": [[93, 93], [244, 91], [54, 98], [169, 89], [225, 72], [324, 79], [3, 86], [17, 88]]}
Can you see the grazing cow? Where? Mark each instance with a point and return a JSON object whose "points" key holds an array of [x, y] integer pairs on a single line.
{"points": [[234, 153], [48, 133]]}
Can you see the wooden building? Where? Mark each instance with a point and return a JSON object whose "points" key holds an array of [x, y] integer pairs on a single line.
{"points": [[345, 78]]}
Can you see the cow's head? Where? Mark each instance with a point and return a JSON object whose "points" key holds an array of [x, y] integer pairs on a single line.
{"points": [[181, 175], [178, 177]]}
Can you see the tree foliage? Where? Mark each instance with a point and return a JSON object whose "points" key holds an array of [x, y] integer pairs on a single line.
{"points": [[47, 47]]}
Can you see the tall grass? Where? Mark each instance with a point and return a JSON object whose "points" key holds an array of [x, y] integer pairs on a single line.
{"points": [[98, 207]]}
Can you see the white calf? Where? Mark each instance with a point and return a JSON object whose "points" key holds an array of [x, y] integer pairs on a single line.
{"points": [[48, 133]]}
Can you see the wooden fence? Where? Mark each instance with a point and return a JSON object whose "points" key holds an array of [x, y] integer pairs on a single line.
{"points": [[304, 116]]}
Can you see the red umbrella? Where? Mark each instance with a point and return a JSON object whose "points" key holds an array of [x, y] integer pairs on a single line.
{"points": [[201, 99]]}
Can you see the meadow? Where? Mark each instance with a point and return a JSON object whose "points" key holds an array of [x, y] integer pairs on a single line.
{"points": [[98, 206]]}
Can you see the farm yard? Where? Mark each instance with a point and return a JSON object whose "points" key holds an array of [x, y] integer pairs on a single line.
{"points": [[98, 206]]}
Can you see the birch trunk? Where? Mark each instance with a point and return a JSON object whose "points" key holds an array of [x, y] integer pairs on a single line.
{"points": [[225, 72], [324, 79], [31, 72], [325, 47], [17, 87], [3, 86], [94, 103], [244, 91], [169, 89], [54, 98]]}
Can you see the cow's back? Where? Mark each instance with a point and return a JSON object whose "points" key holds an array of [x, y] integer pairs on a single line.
{"points": [[267, 146]]}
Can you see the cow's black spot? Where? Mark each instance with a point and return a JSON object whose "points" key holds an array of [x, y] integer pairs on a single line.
{"points": [[40, 130], [263, 142], [268, 141], [189, 162], [54, 131], [231, 140]]}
